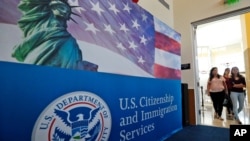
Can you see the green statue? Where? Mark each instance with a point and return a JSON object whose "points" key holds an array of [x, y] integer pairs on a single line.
{"points": [[46, 39]]}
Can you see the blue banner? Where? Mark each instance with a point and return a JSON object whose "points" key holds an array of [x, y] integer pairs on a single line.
{"points": [[45, 103]]}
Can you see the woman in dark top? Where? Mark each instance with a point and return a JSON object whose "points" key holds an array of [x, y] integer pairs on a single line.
{"points": [[237, 83], [229, 105]]}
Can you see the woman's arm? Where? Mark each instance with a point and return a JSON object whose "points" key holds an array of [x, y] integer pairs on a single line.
{"points": [[225, 86], [242, 83], [208, 87], [239, 85]]}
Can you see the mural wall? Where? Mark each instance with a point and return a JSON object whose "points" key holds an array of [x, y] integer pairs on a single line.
{"points": [[50, 51], [114, 36]]}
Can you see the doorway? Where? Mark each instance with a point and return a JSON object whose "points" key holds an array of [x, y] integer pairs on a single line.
{"points": [[218, 43]]}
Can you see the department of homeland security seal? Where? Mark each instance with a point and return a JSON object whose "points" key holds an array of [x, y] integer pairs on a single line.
{"points": [[76, 116]]}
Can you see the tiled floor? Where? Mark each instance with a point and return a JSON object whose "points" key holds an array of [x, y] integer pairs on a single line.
{"points": [[207, 116]]}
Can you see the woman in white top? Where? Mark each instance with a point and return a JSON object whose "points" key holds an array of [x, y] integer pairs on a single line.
{"points": [[216, 88]]}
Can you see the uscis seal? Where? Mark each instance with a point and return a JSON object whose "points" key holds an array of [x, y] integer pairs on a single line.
{"points": [[76, 116]]}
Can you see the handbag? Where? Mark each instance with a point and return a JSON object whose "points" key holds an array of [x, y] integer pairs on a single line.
{"points": [[225, 102]]}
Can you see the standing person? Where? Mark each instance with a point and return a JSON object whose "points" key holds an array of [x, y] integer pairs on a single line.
{"points": [[229, 105], [216, 88], [237, 83]]}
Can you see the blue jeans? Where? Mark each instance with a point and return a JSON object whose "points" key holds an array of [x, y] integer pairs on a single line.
{"points": [[237, 99]]}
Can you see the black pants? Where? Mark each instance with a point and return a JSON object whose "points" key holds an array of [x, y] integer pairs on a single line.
{"points": [[217, 99], [229, 105]]}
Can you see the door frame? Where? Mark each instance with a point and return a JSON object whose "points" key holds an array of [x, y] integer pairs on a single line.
{"points": [[195, 59]]}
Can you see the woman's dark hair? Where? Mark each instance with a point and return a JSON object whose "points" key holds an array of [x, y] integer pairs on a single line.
{"points": [[238, 74], [225, 71], [211, 73]]}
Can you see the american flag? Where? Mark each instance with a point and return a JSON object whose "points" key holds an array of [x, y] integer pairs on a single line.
{"points": [[167, 52], [125, 28]]}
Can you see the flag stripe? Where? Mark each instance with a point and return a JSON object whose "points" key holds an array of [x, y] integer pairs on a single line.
{"points": [[165, 72], [167, 59], [166, 43], [167, 52], [166, 30]]}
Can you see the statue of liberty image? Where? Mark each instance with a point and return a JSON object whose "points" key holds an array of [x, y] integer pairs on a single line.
{"points": [[46, 40]]}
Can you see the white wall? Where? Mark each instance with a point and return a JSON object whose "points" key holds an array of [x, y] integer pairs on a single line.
{"points": [[159, 10], [187, 11]]}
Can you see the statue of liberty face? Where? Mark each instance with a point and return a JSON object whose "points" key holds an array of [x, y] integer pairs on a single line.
{"points": [[60, 9]]}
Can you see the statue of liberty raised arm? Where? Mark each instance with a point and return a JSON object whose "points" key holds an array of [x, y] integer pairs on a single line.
{"points": [[46, 39]]}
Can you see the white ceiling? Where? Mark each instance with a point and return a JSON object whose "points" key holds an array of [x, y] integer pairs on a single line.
{"points": [[219, 33]]}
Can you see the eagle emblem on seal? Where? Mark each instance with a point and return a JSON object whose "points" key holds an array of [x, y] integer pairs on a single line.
{"points": [[78, 124]]}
